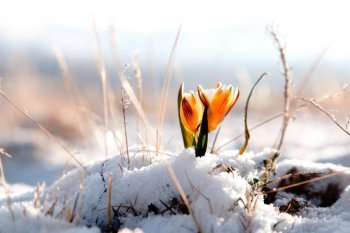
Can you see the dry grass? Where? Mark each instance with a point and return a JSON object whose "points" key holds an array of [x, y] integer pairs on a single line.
{"points": [[134, 100], [323, 177], [165, 91], [287, 84], [138, 76], [137, 99], [330, 115], [246, 129], [43, 129], [109, 213], [103, 74], [125, 104], [183, 196]]}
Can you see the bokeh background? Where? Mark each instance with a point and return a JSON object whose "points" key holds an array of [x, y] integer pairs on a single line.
{"points": [[219, 41]]}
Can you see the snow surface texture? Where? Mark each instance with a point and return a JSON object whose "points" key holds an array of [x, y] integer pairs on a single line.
{"points": [[145, 199], [30, 220]]}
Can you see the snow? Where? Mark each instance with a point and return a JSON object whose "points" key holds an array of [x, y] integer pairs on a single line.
{"points": [[218, 186], [29, 219], [213, 193]]}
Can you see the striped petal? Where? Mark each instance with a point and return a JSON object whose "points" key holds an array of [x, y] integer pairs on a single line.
{"points": [[220, 101], [191, 111]]}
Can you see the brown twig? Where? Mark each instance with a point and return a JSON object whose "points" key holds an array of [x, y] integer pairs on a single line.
{"points": [[109, 213], [287, 83], [308, 181], [246, 129], [253, 213], [281, 178], [167, 208]]}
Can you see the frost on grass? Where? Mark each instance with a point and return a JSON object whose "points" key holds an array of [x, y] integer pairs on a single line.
{"points": [[219, 188]]}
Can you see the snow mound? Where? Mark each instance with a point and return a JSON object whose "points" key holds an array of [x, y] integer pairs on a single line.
{"points": [[221, 190]]}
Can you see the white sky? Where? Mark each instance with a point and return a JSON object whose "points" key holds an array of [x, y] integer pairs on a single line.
{"points": [[308, 26]]}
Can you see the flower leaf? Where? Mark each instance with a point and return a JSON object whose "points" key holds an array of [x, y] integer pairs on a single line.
{"points": [[202, 142], [188, 137]]}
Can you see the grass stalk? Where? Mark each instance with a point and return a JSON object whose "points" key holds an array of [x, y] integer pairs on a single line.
{"points": [[165, 91], [331, 116], [109, 211], [212, 151], [43, 129], [103, 74], [138, 76], [287, 83], [124, 106], [246, 129], [337, 173], [183, 196], [72, 90], [133, 99]]}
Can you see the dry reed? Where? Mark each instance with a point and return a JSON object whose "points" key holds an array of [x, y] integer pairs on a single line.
{"points": [[103, 74], [246, 129], [165, 91]]}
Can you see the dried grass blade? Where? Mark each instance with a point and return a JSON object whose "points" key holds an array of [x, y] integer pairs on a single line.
{"points": [[246, 129], [128, 89], [183, 195], [165, 90], [103, 74]]}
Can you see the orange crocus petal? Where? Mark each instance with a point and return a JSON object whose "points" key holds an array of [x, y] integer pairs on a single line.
{"points": [[219, 101], [191, 111], [235, 97], [220, 106], [205, 100], [207, 95]]}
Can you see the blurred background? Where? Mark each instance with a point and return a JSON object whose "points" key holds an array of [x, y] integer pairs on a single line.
{"points": [[49, 66]]}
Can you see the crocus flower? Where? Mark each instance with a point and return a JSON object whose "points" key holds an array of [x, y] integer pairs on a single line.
{"points": [[191, 111], [219, 102]]}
